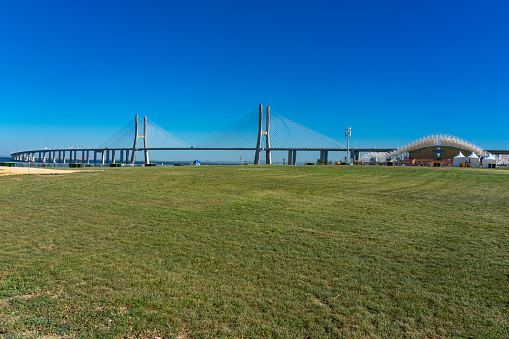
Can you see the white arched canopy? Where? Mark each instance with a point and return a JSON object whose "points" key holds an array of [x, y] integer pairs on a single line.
{"points": [[430, 140]]}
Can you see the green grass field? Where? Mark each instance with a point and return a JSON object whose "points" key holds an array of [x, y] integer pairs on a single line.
{"points": [[256, 251]]}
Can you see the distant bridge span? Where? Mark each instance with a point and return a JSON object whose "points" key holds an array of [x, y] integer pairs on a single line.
{"points": [[280, 134], [110, 155]]}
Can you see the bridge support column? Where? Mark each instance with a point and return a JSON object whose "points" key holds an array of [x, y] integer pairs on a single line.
{"points": [[147, 160], [102, 157], [290, 157], [268, 158], [261, 132], [294, 157], [259, 140], [95, 157], [107, 156], [112, 156], [121, 155], [324, 157], [354, 155], [136, 136]]}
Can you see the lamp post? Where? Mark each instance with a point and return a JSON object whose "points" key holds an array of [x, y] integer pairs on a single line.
{"points": [[348, 134]]}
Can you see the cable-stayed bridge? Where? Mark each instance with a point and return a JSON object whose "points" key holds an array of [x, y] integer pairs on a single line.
{"points": [[254, 132]]}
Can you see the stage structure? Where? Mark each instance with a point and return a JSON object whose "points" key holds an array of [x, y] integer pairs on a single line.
{"points": [[445, 140]]}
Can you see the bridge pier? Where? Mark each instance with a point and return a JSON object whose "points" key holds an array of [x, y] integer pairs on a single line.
{"points": [[292, 157], [259, 139], [144, 137], [354, 155], [324, 157], [268, 157], [102, 157]]}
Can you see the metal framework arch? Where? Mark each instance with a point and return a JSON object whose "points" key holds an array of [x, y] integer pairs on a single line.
{"points": [[429, 140]]}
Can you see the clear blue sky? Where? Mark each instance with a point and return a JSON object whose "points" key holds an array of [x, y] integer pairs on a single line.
{"points": [[74, 72]]}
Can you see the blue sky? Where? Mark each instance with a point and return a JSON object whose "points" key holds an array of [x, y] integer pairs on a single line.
{"points": [[74, 72]]}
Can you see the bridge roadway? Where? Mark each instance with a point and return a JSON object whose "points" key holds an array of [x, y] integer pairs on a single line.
{"points": [[109, 155]]}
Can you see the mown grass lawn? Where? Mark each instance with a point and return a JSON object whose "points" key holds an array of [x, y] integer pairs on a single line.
{"points": [[256, 251]]}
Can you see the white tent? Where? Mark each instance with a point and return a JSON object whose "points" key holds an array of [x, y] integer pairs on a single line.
{"points": [[489, 161], [458, 159], [474, 160]]}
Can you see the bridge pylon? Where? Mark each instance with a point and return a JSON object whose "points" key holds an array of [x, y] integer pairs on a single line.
{"points": [[261, 132], [136, 137]]}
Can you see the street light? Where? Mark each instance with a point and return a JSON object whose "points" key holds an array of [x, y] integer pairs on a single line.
{"points": [[348, 134]]}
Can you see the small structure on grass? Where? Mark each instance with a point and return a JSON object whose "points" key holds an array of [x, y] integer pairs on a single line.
{"points": [[474, 160], [459, 159], [489, 162]]}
